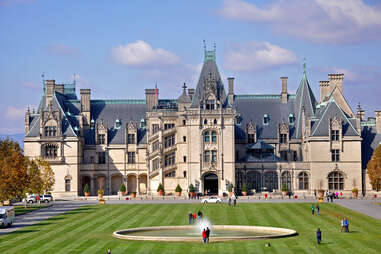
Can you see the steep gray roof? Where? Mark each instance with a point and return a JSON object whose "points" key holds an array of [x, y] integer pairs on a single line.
{"points": [[304, 98], [209, 69], [321, 126], [254, 107]]}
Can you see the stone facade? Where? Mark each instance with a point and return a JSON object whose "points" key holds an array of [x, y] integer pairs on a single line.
{"points": [[205, 137]]}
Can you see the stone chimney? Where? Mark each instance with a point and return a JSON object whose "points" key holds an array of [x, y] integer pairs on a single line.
{"points": [[360, 112], [85, 106], [50, 87], [378, 121], [27, 120], [151, 98], [191, 92], [231, 90], [60, 88], [336, 80], [324, 90], [284, 89]]}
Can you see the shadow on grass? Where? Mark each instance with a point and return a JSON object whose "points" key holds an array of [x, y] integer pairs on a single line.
{"points": [[19, 232], [81, 210]]}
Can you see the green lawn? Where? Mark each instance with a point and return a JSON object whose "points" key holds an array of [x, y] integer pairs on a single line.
{"points": [[19, 210], [89, 230]]}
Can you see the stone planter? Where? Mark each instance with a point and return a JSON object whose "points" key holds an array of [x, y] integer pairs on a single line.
{"points": [[87, 194], [123, 193], [102, 201], [355, 194], [284, 193], [100, 196], [244, 193], [178, 194], [133, 194]]}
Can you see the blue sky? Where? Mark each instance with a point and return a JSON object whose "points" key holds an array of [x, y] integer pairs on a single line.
{"points": [[118, 48]]}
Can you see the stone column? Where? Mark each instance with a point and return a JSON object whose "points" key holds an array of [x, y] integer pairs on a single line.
{"points": [[92, 185], [137, 185]]}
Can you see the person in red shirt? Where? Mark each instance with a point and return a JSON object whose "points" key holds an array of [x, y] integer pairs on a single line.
{"points": [[204, 236], [194, 217]]}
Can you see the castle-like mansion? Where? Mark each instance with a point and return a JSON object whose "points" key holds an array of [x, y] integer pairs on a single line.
{"points": [[208, 136]]}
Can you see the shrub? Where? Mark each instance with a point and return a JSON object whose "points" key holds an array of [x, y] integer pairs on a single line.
{"points": [[122, 188], [160, 188], [191, 188], [284, 187], [230, 187], [355, 190], [101, 192], [86, 189], [178, 188], [244, 187]]}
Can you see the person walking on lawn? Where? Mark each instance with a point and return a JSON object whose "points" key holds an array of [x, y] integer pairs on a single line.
{"points": [[317, 210], [318, 236], [207, 234], [204, 236], [346, 225], [313, 209], [190, 217]]}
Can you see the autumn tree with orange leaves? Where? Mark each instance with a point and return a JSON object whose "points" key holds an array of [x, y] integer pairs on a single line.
{"points": [[374, 169]]}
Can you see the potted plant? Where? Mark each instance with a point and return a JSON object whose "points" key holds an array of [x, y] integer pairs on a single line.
{"points": [[100, 193], [191, 190], [102, 201], [123, 189], [178, 190], [230, 189], [355, 192], [160, 189], [86, 190], [133, 194], [321, 193], [244, 189], [284, 190]]}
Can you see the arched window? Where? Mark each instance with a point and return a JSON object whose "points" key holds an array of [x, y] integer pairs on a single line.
{"points": [[67, 185], [335, 181], [215, 121], [271, 180], [206, 137], [205, 121], [286, 180], [214, 136], [254, 181], [50, 151], [303, 181]]}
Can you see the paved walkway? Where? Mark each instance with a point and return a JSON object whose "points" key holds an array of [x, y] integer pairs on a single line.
{"points": [[367, 207], [43, 214]]}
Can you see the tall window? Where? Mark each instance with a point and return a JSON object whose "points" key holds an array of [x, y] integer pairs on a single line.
{"points": [[283, 155], [214, 136], [184, 139], [335, 181], [131, 139], [169, 141], [131, 157], [169, 159], [67, 185], [335, 135], [303, 181], [283, 138], [294, 155], [286, 179], [206, 156], [50, 131], [271, 180], [214, 155], [102, 158], [155, 128], [335, 155], [184, 159], [155, 164], [50, 151], [209, 104], [101, 139], [155, 146], [206, 137], [250, 138]]}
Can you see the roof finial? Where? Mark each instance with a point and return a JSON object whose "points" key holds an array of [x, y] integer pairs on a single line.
{"points": [[304, 65], [74, 78], [204, 45], [214, 46], [184, 86]]}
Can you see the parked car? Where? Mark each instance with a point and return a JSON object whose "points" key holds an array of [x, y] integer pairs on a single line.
{"points": [[212, 199], [46, 198], [30, 199], [7, 216]]}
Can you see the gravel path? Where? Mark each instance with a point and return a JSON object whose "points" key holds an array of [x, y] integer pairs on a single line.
{"points": [[367, 207]]}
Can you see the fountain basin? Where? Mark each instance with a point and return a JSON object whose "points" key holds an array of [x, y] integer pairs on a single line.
{"points": [[220, 233]]}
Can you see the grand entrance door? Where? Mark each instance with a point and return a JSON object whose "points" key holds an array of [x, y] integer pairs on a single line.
{"points": [[211, 183]]}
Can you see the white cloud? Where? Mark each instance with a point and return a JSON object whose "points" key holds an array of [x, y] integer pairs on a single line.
{"points": [[318, 20], [257, 56], [14, 113], [141, 54]]}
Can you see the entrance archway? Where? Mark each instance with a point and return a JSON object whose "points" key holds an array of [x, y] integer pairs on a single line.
{"points": [[211, 183]]}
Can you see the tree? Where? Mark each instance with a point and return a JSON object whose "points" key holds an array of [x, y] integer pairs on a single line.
{"points": [[374, 169], [46, 174], [14, 178]]}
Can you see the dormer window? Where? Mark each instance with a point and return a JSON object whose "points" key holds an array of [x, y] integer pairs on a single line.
{"points": [[266, 119], [335, 135], [50, 131], [142, 123], [283, 138], [238, 120], [92, 124], [207, 137], [101, 139], [118, 124], [291, 119], [209, 104]]}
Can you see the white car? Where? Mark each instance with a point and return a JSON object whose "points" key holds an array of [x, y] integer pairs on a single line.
{"points": [[46, 198], [212, 199], [30, 199]]}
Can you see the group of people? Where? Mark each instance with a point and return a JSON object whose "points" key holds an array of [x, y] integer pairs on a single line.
{"points": [[345, 225], [234, 201], [193, 216], [317, 209], [205, 235]]}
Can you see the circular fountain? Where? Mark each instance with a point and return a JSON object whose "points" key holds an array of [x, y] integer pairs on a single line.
{"points": [[219, 233]]}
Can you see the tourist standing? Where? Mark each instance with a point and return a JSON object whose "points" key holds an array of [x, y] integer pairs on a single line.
{"points": [[194, 217], [199, 215], [346, 225], [108, 251], [204, 236], [317, 210], [207, 234], [342, 225], [313, 209], [235, 201], [318, 236], [190, 217], [230, 201]]}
